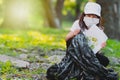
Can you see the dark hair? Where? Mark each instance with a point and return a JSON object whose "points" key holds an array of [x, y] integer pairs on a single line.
{"points": [[83, 26]]}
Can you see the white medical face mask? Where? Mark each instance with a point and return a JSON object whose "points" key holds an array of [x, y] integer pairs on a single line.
{"points": [[90, 21]]}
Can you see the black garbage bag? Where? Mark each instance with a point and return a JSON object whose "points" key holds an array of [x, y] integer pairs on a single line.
{"points": [[102, 59], [79, 63]]}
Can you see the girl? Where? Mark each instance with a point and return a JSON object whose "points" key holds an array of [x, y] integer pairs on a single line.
{"points": [[90, 17]]}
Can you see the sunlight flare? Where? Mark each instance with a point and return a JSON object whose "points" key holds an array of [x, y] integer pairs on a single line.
{"points": [[20, 11]]}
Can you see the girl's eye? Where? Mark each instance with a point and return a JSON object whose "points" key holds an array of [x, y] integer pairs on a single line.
{"points": [[92, 16]]}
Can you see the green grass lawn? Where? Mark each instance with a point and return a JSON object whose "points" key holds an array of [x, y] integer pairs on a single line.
{"points": [[12, 40], [44, 38]]}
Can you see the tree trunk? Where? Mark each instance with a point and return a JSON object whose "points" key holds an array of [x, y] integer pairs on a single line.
{"points": [[110, 14], [119, 13], [11, 17], [77, 10], [50, 15], [58, 8]]}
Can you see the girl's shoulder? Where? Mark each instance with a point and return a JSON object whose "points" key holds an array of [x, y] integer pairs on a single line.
{"points": [[76, 21], [75, 25]]}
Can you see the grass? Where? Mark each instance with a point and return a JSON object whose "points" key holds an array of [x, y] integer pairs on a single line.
{"points": [[44, 38], [12, 40], [112, 48]]}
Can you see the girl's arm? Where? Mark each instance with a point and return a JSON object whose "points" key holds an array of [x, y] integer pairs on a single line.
{"points": [[75, 29], [71, 34]]}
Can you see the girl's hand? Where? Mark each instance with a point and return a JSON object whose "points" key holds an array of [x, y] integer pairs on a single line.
{"points": [[103, 45]]}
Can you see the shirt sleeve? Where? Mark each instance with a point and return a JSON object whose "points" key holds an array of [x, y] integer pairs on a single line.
{"points": [[75, 26]]}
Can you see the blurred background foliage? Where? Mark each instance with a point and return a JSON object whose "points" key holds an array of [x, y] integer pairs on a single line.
{"points": [[52, 13]]}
